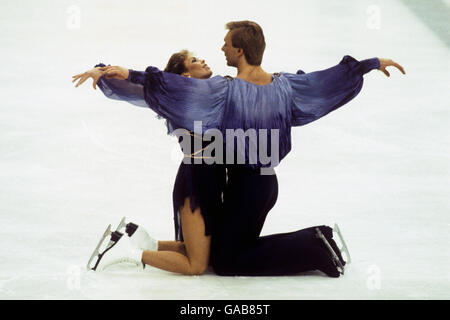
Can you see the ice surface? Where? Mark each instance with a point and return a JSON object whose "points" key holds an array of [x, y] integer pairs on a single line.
{"points": [[72, 161]]}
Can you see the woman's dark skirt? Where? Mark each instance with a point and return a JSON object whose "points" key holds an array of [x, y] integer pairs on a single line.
{"points": [[204, 185]]}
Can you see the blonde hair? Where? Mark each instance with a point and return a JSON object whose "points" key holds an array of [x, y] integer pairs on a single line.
{"points": [[249, 36]]}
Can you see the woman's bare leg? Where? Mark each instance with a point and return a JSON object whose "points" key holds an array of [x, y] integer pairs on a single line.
{"points": [[196, 243], [176, 246]]}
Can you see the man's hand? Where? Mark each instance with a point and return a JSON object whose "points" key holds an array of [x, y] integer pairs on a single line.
{"points": [[387, 63], [95, 74]]}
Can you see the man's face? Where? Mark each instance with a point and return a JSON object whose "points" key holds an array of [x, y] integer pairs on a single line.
{"points": [[232, 54]]}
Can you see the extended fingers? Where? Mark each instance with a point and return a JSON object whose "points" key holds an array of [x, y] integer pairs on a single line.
{"points": [[77, 77], [391, 63], [83, 79], [399, 67]]}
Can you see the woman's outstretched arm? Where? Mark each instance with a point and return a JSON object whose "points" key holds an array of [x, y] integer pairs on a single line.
{"points": [[113, 85], [116, 72], [95, 74], [180, 100]]}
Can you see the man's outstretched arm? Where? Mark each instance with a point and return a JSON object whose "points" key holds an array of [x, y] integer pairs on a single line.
{"points": [[317, 93], [388, 63]]}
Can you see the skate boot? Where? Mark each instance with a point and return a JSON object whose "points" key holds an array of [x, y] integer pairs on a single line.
{"points": [[118, 250], [324, 261], [138, 236], [331, 263]]}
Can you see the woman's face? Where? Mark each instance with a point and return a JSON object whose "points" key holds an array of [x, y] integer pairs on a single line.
{"points": [[196, 68]]}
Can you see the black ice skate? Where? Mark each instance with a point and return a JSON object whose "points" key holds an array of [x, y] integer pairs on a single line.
{"points": [[335, 256]]}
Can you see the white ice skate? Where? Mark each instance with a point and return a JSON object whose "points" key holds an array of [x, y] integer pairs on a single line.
{"points": [[118, 250], [138, 235]]}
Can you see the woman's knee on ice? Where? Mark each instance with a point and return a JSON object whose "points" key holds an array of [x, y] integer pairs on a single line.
{"points": [[198, 268]]}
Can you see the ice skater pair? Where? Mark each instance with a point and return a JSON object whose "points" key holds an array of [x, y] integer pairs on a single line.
{"points": [[271, 101]]}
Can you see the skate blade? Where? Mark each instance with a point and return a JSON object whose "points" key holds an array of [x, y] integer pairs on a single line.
{"points": [[96, 252], [344, 247], [122, 224], [336, 260]]}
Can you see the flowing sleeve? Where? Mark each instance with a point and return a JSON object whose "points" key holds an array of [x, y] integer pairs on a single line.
{"points": [[183, 100], [316, 94], [123, 90]]}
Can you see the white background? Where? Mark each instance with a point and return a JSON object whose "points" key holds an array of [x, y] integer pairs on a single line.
{"points": [[73, 161]]}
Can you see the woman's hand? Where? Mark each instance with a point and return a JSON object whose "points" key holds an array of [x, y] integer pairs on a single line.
{"points": [[95, 74], [116, 72], [387, 63]]}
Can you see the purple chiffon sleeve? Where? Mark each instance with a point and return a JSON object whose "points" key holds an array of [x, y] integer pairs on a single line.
{"points": [[123, 90], [317, 93], [183, 100]]}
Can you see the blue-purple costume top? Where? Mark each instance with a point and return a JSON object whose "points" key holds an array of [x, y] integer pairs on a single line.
{"points": [[230, 103]]}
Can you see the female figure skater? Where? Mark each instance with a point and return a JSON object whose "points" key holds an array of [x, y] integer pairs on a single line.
{"points": [[197, 193]]}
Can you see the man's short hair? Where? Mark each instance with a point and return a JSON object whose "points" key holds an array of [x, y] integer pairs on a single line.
{"points": [[248, 36]]}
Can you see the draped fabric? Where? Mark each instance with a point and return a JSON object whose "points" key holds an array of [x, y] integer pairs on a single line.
{"points": [[318, 93], [202, 183], [122, 90], [231, 103]]}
